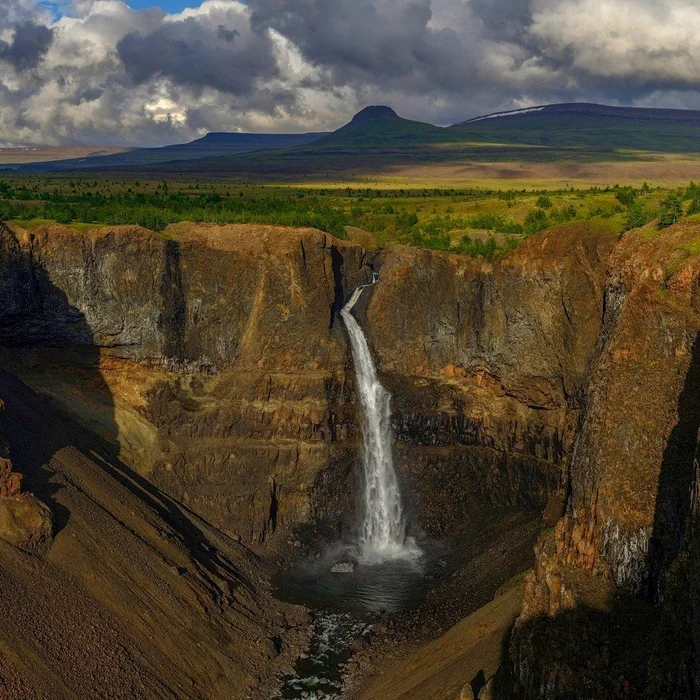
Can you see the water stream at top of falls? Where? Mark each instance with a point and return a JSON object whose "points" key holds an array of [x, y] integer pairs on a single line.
{"points": [[383, 531]]}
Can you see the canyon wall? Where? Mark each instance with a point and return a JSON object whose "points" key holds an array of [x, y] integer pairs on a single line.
{"points": [[134, 595], [215, 359], [613, 606]]}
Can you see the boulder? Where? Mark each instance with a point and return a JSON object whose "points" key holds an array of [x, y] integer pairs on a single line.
{"points": [[25, 522]]}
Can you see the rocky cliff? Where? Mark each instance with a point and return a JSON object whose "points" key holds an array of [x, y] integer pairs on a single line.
{"points": [[25, 521], [135, 596], [488, 364], [615, 586], [209, 370], [214, 357]]}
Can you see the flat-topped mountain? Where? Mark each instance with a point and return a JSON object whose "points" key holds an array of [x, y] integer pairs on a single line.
{"points": [[211, 145], [374, 112], [582, 125], [591, 110], [380, 126]]}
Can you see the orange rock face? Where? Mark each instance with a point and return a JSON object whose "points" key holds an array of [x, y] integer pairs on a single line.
{"points": [[216, 362], [9, 481], [623, 550], [25, 521]]}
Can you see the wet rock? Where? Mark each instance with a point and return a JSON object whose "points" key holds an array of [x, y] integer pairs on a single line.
{"points": [[359, 644], [343, 568]]}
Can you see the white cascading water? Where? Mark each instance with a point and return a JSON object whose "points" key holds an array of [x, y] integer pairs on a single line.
{"points": [[383, 534]]}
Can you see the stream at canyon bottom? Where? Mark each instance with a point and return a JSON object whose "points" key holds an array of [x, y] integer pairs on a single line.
{"points": [[344, 607]]}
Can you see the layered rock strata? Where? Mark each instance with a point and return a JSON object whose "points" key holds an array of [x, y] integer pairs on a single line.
{"points": [[214, 357]]}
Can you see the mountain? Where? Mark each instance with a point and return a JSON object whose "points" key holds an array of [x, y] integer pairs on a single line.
{"points": [[377, 139], [213, 144], [582, 125], [380, 126]]}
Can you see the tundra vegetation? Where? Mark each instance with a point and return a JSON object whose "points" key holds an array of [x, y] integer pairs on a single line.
{"points": [[484, 222]]}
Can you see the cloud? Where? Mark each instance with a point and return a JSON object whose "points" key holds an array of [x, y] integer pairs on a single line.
{"points": [[216, 49], [106, 73], [29, 45]]}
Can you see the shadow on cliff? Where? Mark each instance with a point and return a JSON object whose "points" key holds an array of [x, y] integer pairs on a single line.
{"points": [[673, 501], [39, 328], [633, 646]]}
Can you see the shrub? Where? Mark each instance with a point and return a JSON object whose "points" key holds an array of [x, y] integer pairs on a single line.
{"points": [[494, 222], [694, 206]]}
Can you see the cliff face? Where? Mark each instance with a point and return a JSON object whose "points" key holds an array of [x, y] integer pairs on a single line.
{"points": [[215, 359], [135, 596], [488, 363], [618, 567], [210, 368]]}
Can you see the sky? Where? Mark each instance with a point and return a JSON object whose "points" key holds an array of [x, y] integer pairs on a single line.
{"points": [[152, 72], [169, 6]]}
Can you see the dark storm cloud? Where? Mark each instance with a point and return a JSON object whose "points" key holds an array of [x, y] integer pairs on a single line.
{"points": [[370, 41], [495, 53], [29, 45], [504, 20], [196, 54]]}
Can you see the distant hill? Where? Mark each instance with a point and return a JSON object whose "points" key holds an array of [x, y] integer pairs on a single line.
{"points": [[377, 139], [213, 144], [581, 125], [374, 138]]}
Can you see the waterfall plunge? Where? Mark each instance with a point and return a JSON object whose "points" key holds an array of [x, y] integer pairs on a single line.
{"points": [[383, 534]]}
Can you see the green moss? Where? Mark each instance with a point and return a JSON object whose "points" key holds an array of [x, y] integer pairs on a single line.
{"points": [[692, 247]]}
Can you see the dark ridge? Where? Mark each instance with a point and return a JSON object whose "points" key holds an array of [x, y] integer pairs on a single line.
{"points": [[234, 137], [585, 109]]}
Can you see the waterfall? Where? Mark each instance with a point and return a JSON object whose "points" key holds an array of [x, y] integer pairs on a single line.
{"points": [[383, 532]]}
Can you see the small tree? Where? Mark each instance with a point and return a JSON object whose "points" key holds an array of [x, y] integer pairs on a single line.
{"points": [[636, 216], [694, 207], [544, 202], [671, 211], [626, 195], [535, 221]]}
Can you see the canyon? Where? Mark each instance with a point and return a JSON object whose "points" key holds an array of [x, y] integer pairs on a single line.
{"points": [[181, 420]]}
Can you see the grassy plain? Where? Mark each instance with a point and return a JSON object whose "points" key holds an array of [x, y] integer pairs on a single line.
{"points": [[483, 216], [35, 154]]}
